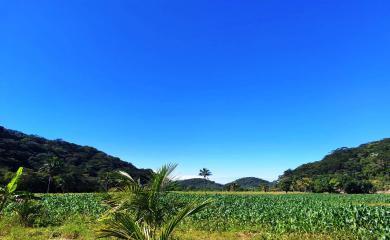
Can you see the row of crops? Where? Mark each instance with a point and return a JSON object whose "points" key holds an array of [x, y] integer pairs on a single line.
{"points": [[365, 216]]}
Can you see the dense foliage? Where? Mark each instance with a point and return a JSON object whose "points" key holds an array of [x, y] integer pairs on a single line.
{"points": [[81, 168], [353, 170]]}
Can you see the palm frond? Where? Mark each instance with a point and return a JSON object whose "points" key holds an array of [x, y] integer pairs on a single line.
{"points": [[191, 209], [162, 177], [126, 194], [159, 181], [131, 185], [126, 175], [123, 226]]}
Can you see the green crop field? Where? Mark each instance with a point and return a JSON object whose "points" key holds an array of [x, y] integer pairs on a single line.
{"points": [[359, 215], [230, 216]]}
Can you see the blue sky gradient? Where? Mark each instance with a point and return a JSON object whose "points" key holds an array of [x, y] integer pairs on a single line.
{"points": [[244, 88]]}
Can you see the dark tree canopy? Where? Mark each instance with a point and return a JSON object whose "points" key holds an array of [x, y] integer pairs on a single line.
{"points": [[83, 168], [194, 184], [251, 183]]}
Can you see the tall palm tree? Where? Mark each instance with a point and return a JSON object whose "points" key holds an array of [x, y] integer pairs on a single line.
{"points": [[51, 167], [205, 173], [140, 212]]}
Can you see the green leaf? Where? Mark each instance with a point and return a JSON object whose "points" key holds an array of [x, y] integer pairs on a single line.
{"points": [[12, 185]]}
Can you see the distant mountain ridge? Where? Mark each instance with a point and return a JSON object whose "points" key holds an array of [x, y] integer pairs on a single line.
{"points": [[85, 169], [198, 184], [246, 183]]}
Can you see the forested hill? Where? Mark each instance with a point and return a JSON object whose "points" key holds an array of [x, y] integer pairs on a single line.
{"points": [[198, 184], [251, 183], [364, 165], [73, 168]]}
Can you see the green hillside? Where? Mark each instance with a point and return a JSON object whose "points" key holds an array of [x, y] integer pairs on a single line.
{"points": [[80, 168], [198, 184], [362, 169], [250, 183]]}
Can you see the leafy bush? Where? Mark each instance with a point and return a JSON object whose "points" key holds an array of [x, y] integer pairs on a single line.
{"points": [[354, 186], [29, 212]]}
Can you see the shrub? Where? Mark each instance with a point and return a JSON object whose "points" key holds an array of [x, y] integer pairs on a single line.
{"points": [[29, 212], [355, 186]]}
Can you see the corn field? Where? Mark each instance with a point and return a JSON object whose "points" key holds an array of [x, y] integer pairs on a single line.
{"points": [[363, 216], [366, 216]]}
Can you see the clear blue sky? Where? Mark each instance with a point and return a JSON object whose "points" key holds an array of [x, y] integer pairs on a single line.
{"points": [[244, 88]]}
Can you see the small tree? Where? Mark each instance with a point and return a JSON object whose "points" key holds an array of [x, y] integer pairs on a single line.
{"points": [[205, 173], [335, 184], [285, 184], [264, 187], [51, 167], [303, 185], [28, 208], [108, 180], [356, 186], [322, 184], [233, 187]]}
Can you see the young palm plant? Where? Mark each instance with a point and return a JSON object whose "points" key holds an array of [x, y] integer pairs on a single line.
{"points": [[140, 212]]}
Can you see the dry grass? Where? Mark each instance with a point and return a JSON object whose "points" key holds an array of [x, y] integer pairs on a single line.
{"points": [[238, 193], [202, 235]]}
